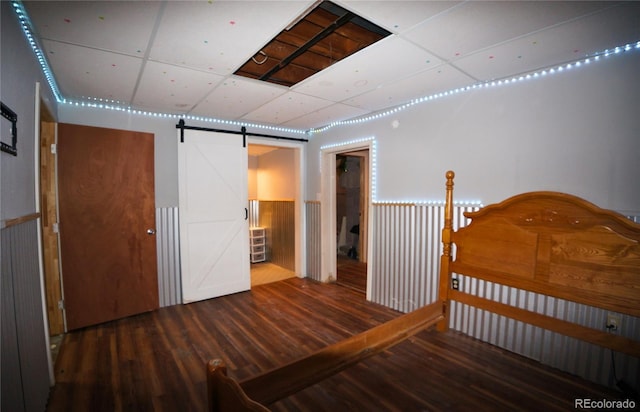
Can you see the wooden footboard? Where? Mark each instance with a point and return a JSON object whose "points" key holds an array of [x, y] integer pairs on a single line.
{"points": [[225, 394]]}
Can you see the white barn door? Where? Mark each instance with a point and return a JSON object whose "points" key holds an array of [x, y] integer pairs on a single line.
{"points": [[214, 229]]}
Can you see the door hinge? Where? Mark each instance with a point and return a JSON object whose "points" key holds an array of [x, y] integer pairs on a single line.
{"points": [[61, 304], [54, 148], [55, 228]]}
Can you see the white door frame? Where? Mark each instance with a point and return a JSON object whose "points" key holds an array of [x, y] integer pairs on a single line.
{"points": [[328, 231], [299, 178], [43, 290]]}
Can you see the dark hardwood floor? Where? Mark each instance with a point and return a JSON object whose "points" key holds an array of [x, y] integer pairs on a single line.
{"points": [[156, 361], [351, 273]]}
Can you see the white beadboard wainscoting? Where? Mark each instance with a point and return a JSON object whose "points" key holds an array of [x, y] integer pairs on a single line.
{"points": [[313, 227], [405, 256], [168, 249], [25, 368]]}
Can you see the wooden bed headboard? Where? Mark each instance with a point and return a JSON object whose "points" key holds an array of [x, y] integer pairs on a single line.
{"points": [[549, 243]]}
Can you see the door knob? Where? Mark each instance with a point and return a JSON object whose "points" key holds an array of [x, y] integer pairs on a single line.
{"points": [[151, 232]]}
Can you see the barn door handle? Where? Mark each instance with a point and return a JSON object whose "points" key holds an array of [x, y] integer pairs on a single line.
{"points": [[246, 213], [151, 232]]}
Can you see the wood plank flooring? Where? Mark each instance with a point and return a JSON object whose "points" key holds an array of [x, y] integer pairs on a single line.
{"points": [[352, 273], [267, 272], [156, 361]]}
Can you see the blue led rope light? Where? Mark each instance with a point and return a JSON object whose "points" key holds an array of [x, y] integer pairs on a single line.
{"points": [[25, 24]]}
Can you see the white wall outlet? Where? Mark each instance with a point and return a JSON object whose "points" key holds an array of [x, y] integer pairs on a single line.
{"points": [[613, 322]]}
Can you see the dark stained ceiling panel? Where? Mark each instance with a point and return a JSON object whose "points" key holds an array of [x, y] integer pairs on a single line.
{"points": [[324, 36]]}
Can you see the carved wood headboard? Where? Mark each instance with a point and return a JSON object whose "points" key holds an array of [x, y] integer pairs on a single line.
{"points": [[553, 244]]}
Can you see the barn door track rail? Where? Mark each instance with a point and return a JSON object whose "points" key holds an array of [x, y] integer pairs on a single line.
{"points": [[243, 131]]}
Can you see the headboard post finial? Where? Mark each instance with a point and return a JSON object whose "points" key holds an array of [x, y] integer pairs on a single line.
{"points": [[448, 212], [445, 259], [450, 175]]}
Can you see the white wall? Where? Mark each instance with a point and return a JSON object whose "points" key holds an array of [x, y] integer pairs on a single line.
{"points": [[20, 73], [276, 175], [577, 131], [253, 177]]}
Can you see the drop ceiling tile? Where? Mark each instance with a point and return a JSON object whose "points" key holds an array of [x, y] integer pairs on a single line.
{"points": [[437, 80], [124, 27], [397, 16], [368, 69], [85, 72], [563, 43], [477, 25], [325, 116], [286, 107], [220, 35], [237, 96], [173, 88]]}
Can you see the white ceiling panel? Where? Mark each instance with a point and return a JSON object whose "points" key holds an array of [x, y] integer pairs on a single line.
{"points": [[286, 107], [326, 115], [398, 16], [220, 36], [237, 96], [132, 50], [85, 72], [124, 27], [563, 43], [477, 25], [426, 83], [173, 88], [362, 72]]}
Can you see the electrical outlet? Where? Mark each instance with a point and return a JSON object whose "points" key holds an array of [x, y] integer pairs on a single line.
{"points": [[613, 322], [455, 284]]}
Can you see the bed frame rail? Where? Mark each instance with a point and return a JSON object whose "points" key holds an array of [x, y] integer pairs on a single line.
{"points": [[225, 394]]}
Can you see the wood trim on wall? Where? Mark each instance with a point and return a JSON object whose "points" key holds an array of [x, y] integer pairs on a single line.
{"points": [[19, 220], [49, 208]]}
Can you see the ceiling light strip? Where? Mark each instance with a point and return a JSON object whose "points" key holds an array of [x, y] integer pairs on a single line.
{"points": [[106, 104], [484, 85], [27, 28]]}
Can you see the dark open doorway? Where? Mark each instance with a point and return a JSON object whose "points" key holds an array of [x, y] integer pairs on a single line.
{"points": [[351, 203]]}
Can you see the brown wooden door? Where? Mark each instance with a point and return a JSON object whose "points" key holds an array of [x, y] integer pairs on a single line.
{"points": [[107, 204]]}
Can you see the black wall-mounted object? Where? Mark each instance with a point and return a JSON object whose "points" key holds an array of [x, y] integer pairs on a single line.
{"points": [[9, 131]]}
